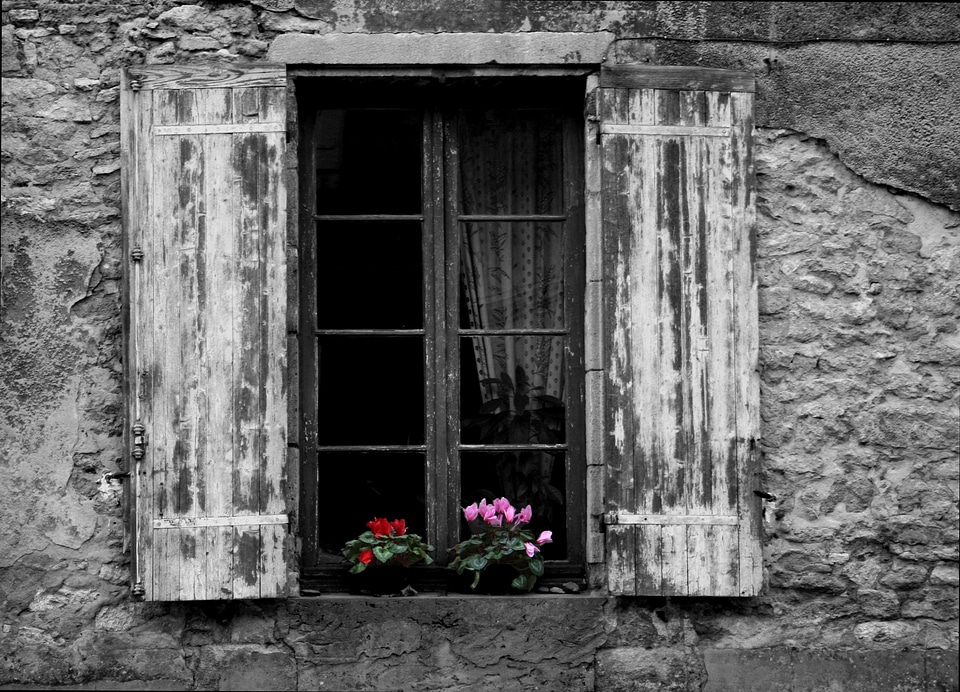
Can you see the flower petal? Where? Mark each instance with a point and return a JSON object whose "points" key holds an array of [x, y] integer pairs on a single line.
{"points": [[526, 514]]}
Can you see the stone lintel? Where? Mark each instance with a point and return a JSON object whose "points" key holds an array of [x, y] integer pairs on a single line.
{"points": [[532, 48]]}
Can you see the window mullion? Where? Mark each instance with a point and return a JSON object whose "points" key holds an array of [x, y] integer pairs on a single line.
{"points": [[434, 323], [451, 372]]}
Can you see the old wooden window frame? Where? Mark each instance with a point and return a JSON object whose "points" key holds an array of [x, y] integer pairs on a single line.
{"points": [[440, 215], [635, 134]]}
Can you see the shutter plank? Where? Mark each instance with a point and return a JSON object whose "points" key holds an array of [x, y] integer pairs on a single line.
{"points": [[617, 218], [175, 417], [275, 461], [246, 311], [748, 349], [165, 333], [649, 559], [214, 336], [189, 233], [712, 552], [674, 580], [622, 555]]}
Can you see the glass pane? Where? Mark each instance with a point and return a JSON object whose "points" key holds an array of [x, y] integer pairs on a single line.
{"points": [[369, 275], [512, 274], [362, 485], [369, 161], [511, 162], [525, 478], [512, 390], [370, 390]]}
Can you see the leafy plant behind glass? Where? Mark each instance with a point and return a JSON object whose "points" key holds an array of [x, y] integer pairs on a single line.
{"points": [[518, 415]]}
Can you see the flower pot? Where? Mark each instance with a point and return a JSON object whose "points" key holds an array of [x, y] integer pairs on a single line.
{"points": [[380, 580], [494, 579]]}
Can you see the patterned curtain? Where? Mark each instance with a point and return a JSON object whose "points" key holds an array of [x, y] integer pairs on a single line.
{"points": [[512, 271]]}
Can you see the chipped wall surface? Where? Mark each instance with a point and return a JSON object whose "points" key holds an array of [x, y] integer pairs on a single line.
{"points": [[858, 258]]}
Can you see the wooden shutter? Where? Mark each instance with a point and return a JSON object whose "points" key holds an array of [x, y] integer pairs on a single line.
{"points": [[681, 346], [205, 233]]}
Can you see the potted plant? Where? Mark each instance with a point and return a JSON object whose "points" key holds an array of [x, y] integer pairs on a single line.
{"points": [[500, 540], [383, 553]]}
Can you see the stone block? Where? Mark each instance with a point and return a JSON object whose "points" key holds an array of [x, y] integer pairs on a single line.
{"points": [[633, 669], [246, 667], [748, 670], [817, 670], [941, 674], [878, 603]]}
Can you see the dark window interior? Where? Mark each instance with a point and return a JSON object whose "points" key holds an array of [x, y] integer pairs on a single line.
{"points": [[441, 329]]}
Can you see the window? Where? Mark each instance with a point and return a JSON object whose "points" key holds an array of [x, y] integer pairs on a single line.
{"points": [[442, 288], [414, 191]]}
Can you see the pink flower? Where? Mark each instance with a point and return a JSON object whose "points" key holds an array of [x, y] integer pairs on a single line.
{"points": [[494, 520], [471, 512], [531, 549], [489, 514], [545, 537], [508, 514], [526, 514], [501, 504]]}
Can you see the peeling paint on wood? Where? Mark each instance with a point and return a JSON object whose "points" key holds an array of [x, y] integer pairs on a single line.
{"points": [[208, 317], [681, 324]]}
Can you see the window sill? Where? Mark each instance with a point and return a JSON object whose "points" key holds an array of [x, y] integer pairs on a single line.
{"points": [[450, 597]]}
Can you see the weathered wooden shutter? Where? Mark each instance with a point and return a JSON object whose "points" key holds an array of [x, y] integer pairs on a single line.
{"points": [[681, 345], [205, 233]]}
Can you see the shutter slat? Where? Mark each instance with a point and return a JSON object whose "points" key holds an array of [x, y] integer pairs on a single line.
{"points": [[748, 349], [681, 321], [207, 322]]}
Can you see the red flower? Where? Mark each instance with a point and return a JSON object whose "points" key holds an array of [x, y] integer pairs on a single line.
{"points": [[380, 527], [399, 526], [366, 556]]}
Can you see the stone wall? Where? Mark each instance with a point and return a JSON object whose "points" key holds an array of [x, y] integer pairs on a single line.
{"points": [[859, 254]]}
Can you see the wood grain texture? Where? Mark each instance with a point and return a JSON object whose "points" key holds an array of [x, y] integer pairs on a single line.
{"points": [[676, 78], [680, 337], [209, 76], [208, 309]]}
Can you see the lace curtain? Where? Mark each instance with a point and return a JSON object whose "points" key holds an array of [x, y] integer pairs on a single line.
{"points": [[512, 271]]}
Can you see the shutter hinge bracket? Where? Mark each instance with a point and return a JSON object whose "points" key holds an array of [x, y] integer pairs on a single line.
{"points": [[139, 440], [138, 592], [136, 254]]}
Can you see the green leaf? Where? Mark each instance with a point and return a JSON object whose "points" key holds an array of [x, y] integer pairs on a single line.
{"points": [[382, 553], [477, 562], [536, 566], [519, 582]]}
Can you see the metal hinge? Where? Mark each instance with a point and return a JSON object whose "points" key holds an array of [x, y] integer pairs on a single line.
{"points": [[139, 440], [136, 254]]}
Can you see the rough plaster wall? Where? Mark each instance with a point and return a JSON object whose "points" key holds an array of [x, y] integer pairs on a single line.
{"points": [[860, 350]]}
